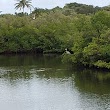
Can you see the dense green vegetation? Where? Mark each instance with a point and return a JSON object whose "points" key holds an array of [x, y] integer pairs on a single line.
{"points": [[84, 29]]}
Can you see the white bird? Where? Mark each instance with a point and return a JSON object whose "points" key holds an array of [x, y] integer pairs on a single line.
{"points": [[34, 17], [67, 52]]}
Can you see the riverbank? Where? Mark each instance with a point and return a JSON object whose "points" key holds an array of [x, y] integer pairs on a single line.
{"points": [[37, 51], [86, 35]]}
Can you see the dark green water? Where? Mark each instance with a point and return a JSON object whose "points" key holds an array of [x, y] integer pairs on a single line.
{"points": [[37, 82]]}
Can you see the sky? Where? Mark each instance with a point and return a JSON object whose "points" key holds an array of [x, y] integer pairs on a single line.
{"points": [[7, 6]]}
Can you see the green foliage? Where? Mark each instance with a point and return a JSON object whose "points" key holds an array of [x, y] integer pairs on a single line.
{"points": [[100, 21], [39, 11], [50, 32], [91, 43], [66, 58], [78, 27], [102, 64], [82, 8]]}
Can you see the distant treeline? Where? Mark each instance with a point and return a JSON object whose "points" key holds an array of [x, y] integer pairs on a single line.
{"points": [[83, 29]]}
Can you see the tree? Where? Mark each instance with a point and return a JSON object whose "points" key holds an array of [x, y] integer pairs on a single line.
{"points": [[21, 4], [100, 21]]}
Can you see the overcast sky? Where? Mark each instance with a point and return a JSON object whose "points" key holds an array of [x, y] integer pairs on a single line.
{"points": [[7, 6]]}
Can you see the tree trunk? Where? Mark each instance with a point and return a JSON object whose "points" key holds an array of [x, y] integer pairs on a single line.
{"points": [[23, 10], [30, 11]]}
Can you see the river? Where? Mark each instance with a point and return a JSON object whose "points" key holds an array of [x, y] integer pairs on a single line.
{"points": [[43, 82]]}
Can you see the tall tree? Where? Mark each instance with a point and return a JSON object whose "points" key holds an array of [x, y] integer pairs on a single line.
{"points": [[21, 4]]}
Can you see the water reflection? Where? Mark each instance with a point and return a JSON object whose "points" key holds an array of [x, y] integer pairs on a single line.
{"points": [[93, 81], [94, 88], [42, 82], [30, 60]]}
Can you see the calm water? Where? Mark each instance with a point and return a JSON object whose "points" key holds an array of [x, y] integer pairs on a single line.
{"points": [[37, 82]]}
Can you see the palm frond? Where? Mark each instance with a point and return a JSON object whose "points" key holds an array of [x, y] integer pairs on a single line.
{"points": [[21, 4]]}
